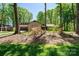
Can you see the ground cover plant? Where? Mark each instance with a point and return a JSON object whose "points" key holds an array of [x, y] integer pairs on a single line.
{"points": [[7, 49]]}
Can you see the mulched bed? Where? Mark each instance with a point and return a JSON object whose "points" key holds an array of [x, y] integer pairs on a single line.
{"points": [[47, 38]]}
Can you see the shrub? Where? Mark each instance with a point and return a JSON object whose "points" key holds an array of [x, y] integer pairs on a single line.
{"points": [[38, 50]]}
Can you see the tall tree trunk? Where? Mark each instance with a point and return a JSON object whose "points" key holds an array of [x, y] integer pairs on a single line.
{"points": [[45, 16], [77, 18], [61, 20], [51, 13], [17, 31], [72, 16], [64, 25], [2, 17]]}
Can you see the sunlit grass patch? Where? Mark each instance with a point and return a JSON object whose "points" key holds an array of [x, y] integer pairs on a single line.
{"points": [[5, 33]]}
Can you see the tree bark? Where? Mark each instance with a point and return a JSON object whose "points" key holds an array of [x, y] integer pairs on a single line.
{"points": [[51, 16], [73, 15], [77, 18], [61, 20], [17, 30], [2, 17], [45, 16]]}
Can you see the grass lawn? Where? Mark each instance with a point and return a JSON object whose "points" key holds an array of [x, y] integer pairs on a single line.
{"points": [[5, 33], [38, 50]]}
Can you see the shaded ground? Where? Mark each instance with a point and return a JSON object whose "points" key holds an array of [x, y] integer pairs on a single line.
{"points": [[48, 38]]}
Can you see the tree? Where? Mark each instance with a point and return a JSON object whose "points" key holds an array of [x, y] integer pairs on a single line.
{"points": [[45, 16], [49, 15], [17, 30], [29, 17], [67, 16], [40, 17], [61, 20], [2, 16], [74, 15], [24, 15], [7, 14], [77, 18]]}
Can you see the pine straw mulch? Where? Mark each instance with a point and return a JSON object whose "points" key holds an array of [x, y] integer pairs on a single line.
{"points": [[47, 38]]}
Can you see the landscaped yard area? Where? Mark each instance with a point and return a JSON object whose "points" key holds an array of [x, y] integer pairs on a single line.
{"points": [[50, 44], [51, 29]]}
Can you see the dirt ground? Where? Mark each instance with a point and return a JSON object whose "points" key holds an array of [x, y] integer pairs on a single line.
{"points": [[47, 38]]}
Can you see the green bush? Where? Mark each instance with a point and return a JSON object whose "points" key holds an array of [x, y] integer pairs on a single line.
{"points": [[38, 50]]}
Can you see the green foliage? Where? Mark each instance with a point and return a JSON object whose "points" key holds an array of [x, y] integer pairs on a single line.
{"points": [[40, 17], [62, 15], [68, 14], [7, 14], [38, 50], [53, 29], [24, 15]]}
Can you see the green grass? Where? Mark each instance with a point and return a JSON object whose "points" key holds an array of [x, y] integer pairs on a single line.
{"points": [[25, 33], [54, 29], [5, 33], [38, 50]]}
